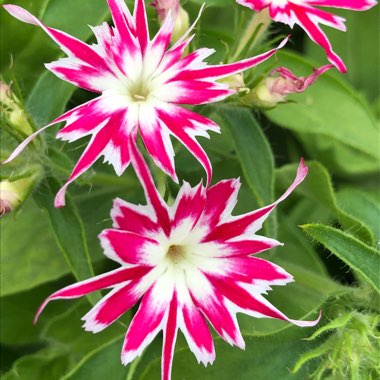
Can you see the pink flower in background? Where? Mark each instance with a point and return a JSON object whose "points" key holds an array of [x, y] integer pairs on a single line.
{"points": [[273, 89], [189, 263], [304, 13], [163, 7], [141, 83]]}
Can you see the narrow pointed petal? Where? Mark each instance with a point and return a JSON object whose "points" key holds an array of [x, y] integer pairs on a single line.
{"points": [[148, 321], [138, 219], [355, 5], [69, 44], [188, 207], [127, 247], [170, 335], [141, 23], [156, 138], [220, 71], [151, 193], [93, 151], [252, 270], [197, 334], [252, 221], [221, 199], [308, 23], [93, 284], [113, 306], [186, 136], [253, 303]]}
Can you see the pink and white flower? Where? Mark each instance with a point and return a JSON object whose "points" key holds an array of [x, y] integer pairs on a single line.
{"points": [[141, 82], [189, 263], [304, 13]]}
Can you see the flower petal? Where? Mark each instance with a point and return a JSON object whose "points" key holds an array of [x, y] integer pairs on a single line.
{"points": [[127, 247], [151, 193], [93, 284], [149, 319], [252, 302], [170, 335], [129, 217], [220, 71], [252, 221]]}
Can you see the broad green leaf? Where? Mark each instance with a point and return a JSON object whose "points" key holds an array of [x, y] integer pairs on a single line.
{"points": [[102, 363], [332, 122], [358, 47], [280, 350], [18, 311], [360, 257], [318, 188], [33, 259], [68, 229], [254, 154]]}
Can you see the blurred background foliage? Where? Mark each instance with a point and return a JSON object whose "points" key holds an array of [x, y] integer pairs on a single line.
{"points": [[330, 225]]}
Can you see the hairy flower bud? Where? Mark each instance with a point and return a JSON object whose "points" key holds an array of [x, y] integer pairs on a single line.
{"points": [[274, 89], [14, 193], [12, 111], [163, 7]]}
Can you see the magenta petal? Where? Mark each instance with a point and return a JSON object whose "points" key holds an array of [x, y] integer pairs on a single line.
{"points": [[151, 193], [170, 335], [126, 247], [197, 334], [253, 220], [96, 283]]}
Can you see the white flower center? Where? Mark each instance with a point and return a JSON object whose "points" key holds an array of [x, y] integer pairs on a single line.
{"points": [[177, 254]]}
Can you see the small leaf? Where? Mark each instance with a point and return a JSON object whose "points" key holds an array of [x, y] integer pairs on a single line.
{"points": [[359, 256]]}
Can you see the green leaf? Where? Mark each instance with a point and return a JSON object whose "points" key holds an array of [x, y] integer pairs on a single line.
{"points": [[361, 205], [318, 188], [18, 311], [357, 47], [280, 350], [332, 122], [254, 154], [359, 256], [102, 363], [33, 259], [68, 229]]}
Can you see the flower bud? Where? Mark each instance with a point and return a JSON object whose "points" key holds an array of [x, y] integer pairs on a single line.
{"points": [[274, 89], [179, 15], [235, 82], [12, 112], [14, 193]]}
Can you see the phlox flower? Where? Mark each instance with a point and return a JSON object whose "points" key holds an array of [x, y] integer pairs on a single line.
{"points": [[189, 263], [304, 13], [141, 82]]}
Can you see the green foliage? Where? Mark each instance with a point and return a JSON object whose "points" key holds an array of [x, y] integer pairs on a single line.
{"points": [[363, 259], [330, 124]]}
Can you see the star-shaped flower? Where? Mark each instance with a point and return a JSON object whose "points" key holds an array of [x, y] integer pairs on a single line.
{"points": [[141, 82], [189, 263], [304, 13]]}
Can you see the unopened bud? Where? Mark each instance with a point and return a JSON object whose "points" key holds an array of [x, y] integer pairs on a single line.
{"points": [[274, 89], [14, 193], [179, 15], [235, 82], [12, 111]]}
